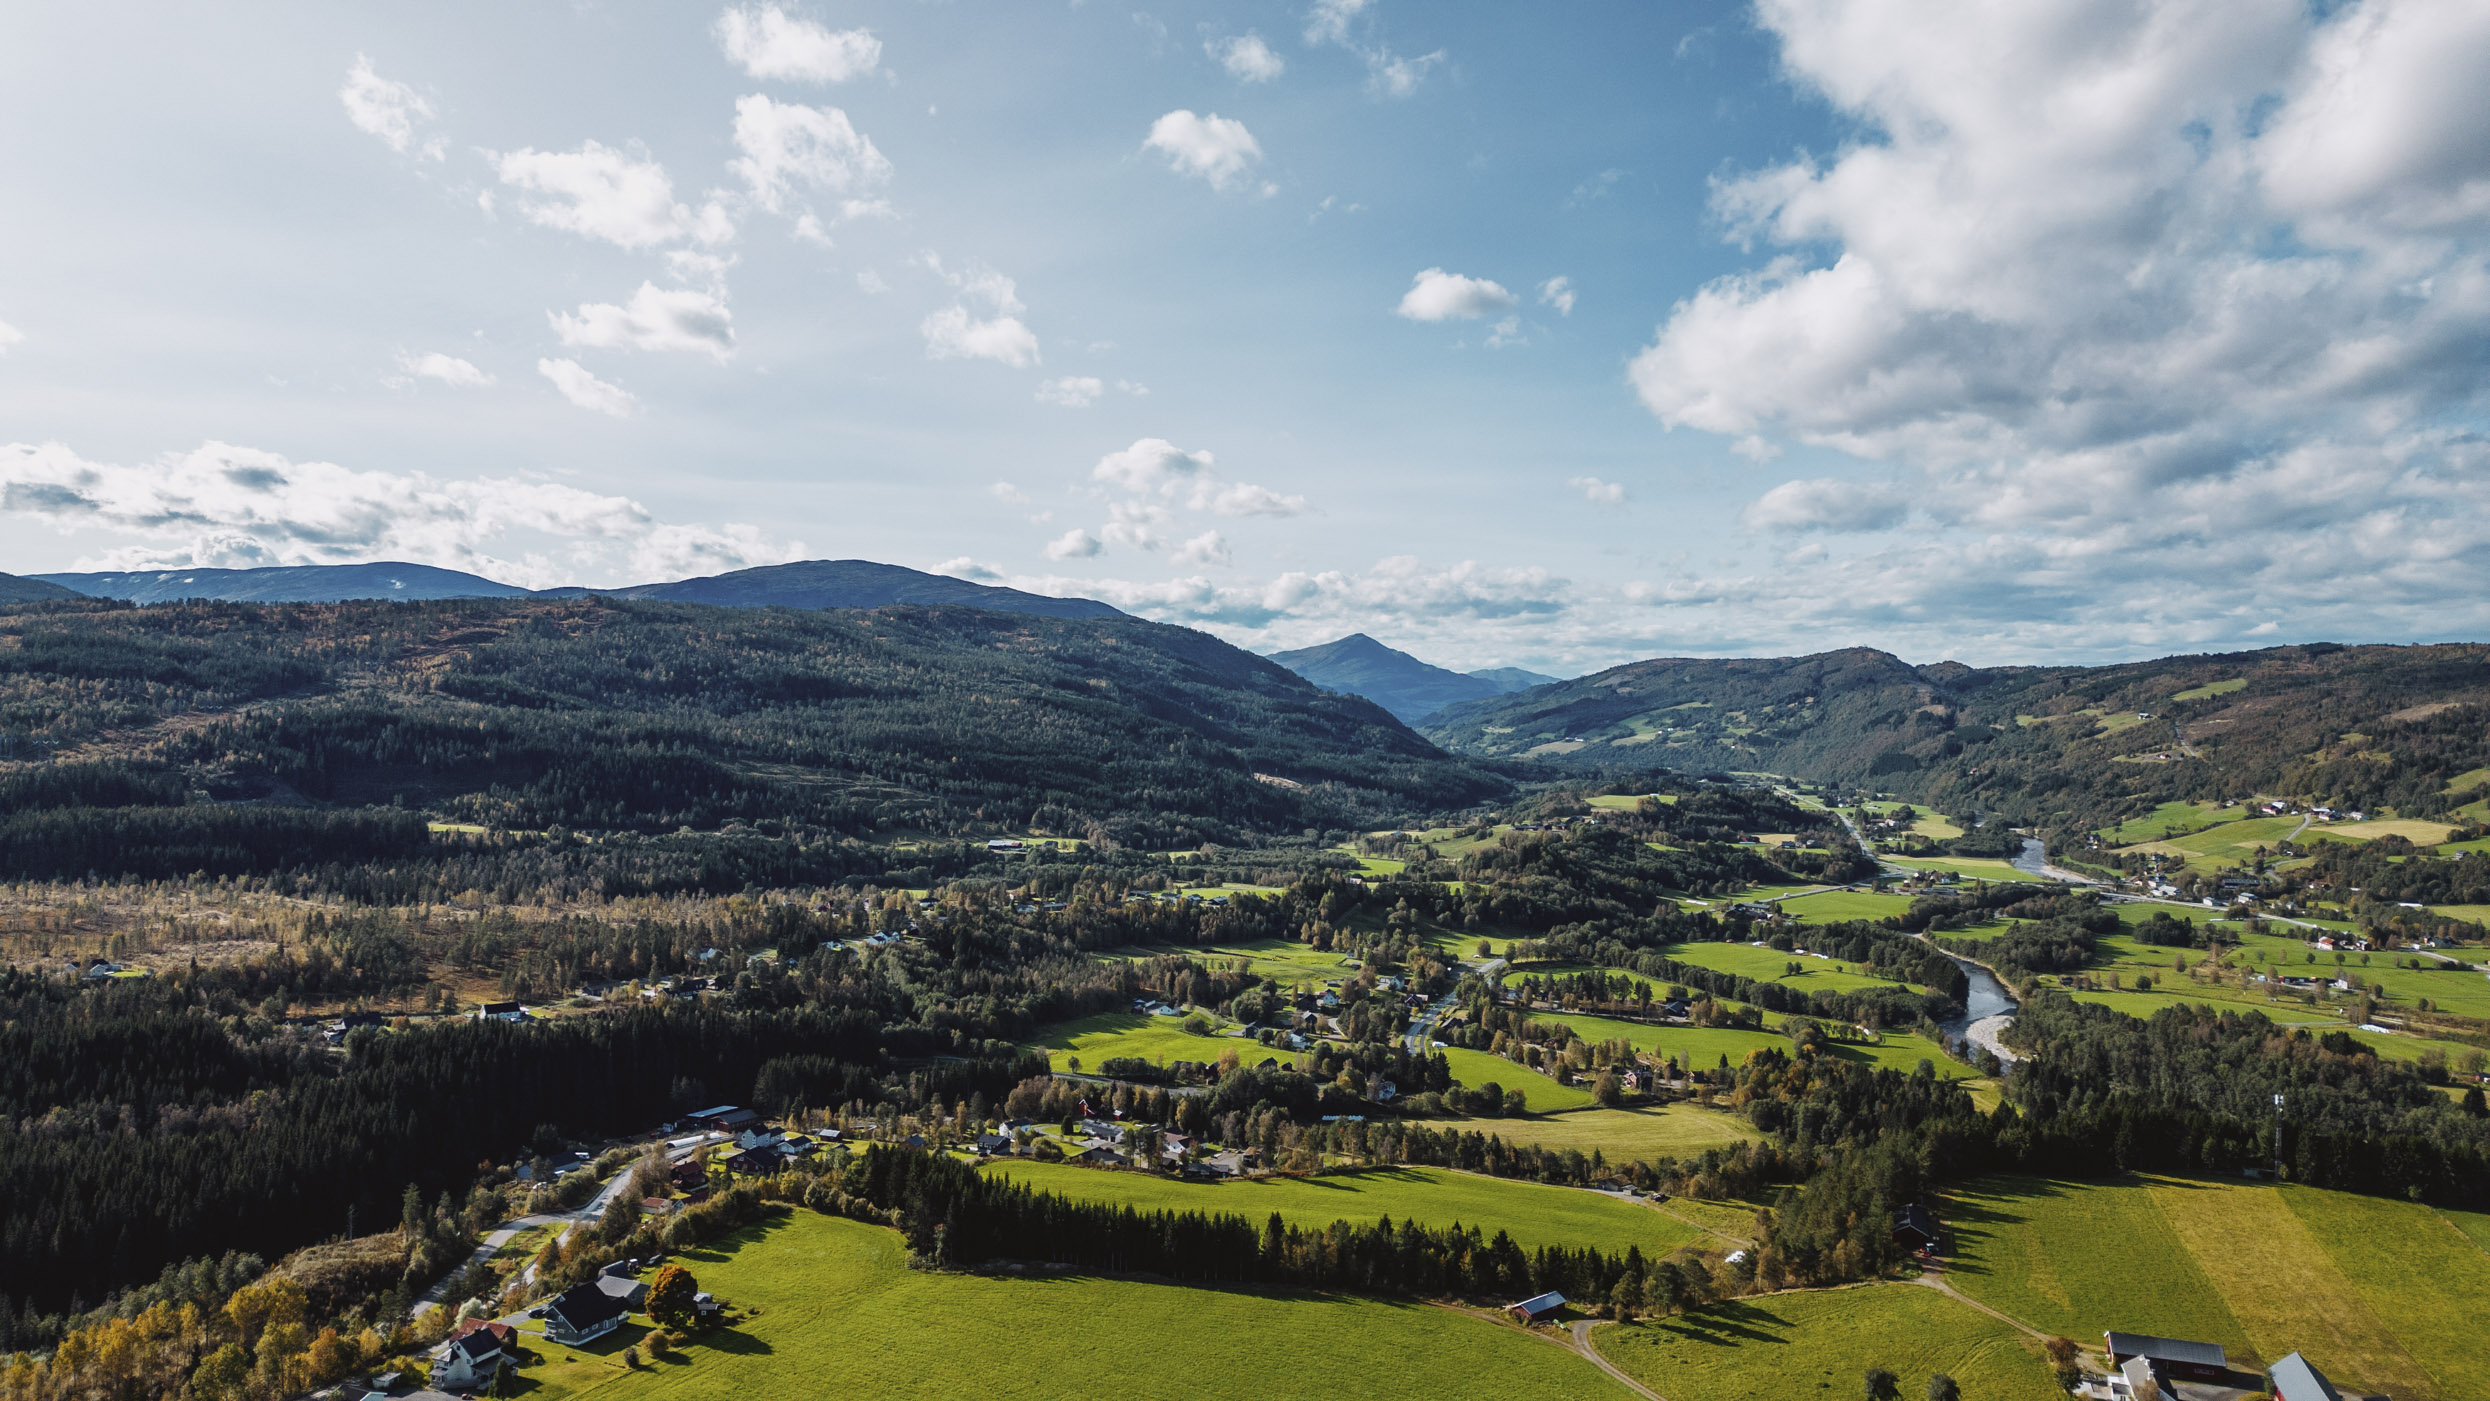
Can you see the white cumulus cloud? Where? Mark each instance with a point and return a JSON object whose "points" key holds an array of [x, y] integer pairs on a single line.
{"points": [[1598, 492], [386, 109], [9, 336], [1151, 464], [448, 369], [602, 192], [767, 42], [1246, 499], [963, 567], [1205, 549], [1247, 58], [586, 390], [224, 506], [957, 332], [788, 147], [1437, 295], [1216, 148], [1073, 544], [656, 318], [1072, 391], [1558, 292]]}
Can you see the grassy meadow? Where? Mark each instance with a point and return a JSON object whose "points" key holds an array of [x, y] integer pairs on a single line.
{"points": [[1534, 1214], [2381, 1294], [1539, 1093], [1625, 1135], [1780, 1347], [1096, 1039], [835, 1310]]}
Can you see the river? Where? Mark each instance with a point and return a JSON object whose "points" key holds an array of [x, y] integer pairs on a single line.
{"points": [[2033, 861], [1987, 1007]]}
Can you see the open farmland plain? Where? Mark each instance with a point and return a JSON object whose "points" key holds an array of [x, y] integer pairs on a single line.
{"points": [[2384, 1294], [1624, 1135], [1094, 1040], [1777, 1347], [836, 1310], [1534, 1214]]}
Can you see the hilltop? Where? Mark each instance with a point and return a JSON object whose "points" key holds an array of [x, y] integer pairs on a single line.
{"points": [[1411, 689]]}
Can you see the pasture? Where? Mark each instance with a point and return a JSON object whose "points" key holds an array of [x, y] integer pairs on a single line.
{"points": [[1625, 1135], [1968, 867], [2381, 1294], [1095, 1039], [1533, 1213], [1698, 1046], [1837, 906], [1771, 966], [1777, 1347], [2213, 688], [2224, 845], [835, 1309], [2170, 820], [1539, 1093]]}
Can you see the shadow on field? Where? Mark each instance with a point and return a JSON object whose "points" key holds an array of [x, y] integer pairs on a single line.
{"points": [[1726, 1324]]}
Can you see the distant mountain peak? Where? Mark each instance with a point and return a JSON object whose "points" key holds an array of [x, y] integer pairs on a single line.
{"points": [[1409, 688]]}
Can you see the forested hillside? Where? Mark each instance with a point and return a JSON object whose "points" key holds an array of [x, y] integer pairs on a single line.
{"points": [[2064, 747], [604, 716]]}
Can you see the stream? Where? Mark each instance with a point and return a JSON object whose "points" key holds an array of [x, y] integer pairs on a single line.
{"points": [[1987, 1007]]}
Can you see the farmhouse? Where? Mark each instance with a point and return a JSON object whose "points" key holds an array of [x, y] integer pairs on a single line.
{"points": [[474, 1358], [2295, 1378], [2200, 1362], [1537, 1307], [1915, 1228], [583, 1312]]}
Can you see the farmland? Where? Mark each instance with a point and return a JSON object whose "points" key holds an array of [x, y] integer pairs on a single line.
{"points": [[2376, 1290], [1779, 1346], [1624, 1135], [1771, 965], [2170, 820], [1532, 1213], [1834, 906], [1093, 1040], [1539, 1093], [833, 1302]]}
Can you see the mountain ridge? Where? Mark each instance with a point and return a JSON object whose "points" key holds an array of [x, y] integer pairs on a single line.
{"points": [[1411, 689], [821, 583]]}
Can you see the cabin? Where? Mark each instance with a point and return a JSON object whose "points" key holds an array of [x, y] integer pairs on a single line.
{"points": [[2295, 1378], [1537, 1307], [582, 1313], [1914, 1228], [2170, 1357]]}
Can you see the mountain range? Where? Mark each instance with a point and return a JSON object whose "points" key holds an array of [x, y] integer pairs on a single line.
{"points": [[819, 583], [1411, 689], [2061, 747]]}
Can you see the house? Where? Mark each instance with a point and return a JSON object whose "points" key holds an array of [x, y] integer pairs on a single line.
{"points": [[759, 1136], [583, 1312], [1101, 1128], [2203, 1362], [688, 1174], [1099, 1153], [2295, 1378], [622, 1288], [1915, 1228], [1537, 1307], [471, 1360], [501, 1012], [756, 1160], [723, 1118], [2135, 1380], [1006, 844], [993, 1143]]}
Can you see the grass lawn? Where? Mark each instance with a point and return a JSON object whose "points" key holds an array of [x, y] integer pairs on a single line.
{"points": [[1532, 1213], [1779, 1347], [2225, 845], [1698, 1046], [1539, 1093], [2415, 830], [2382, 1294], [1902, 1051], [2213, 688], [837, 1311], [2170, 819], [1835, 906], [1625, 1135], [1968, 867], [1769, 965], [1096, 1039]]}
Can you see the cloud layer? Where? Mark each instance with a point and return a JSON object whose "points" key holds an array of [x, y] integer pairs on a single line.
{"points": [[237, 507]]}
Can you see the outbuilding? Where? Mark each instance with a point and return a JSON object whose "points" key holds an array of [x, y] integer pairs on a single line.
{"points": [[2295, 1378], [1537, 1307], [2176, 1357]]}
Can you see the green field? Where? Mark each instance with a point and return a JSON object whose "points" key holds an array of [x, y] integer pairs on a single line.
{"points": [[836, 1311], [1539, 1093], [2226, 845], [1902, 1051], [1093, 1040], [2212, 689], [2381, 1294], [1778, 1347], [1835, 906], [2170, 819], [1625, 1135], [1700, 1047], [1532, 1213], [1769, 965], [1968, 867]]}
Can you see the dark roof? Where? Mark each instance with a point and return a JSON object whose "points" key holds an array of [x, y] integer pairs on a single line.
{"points": [[2167, 1349], [582, 1305], [713, 1112], [478, 1345], [1916, 1218], [2295, 1378]]}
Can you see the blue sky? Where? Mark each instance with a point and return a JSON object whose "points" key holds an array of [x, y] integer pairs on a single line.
{"points": [[2032, 332]]}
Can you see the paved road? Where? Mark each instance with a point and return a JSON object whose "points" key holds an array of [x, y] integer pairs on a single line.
{"points": [[1421, 1035], [571, 1221]]}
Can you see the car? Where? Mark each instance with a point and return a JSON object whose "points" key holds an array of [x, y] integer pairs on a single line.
{"points": [[536, 1312]]}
